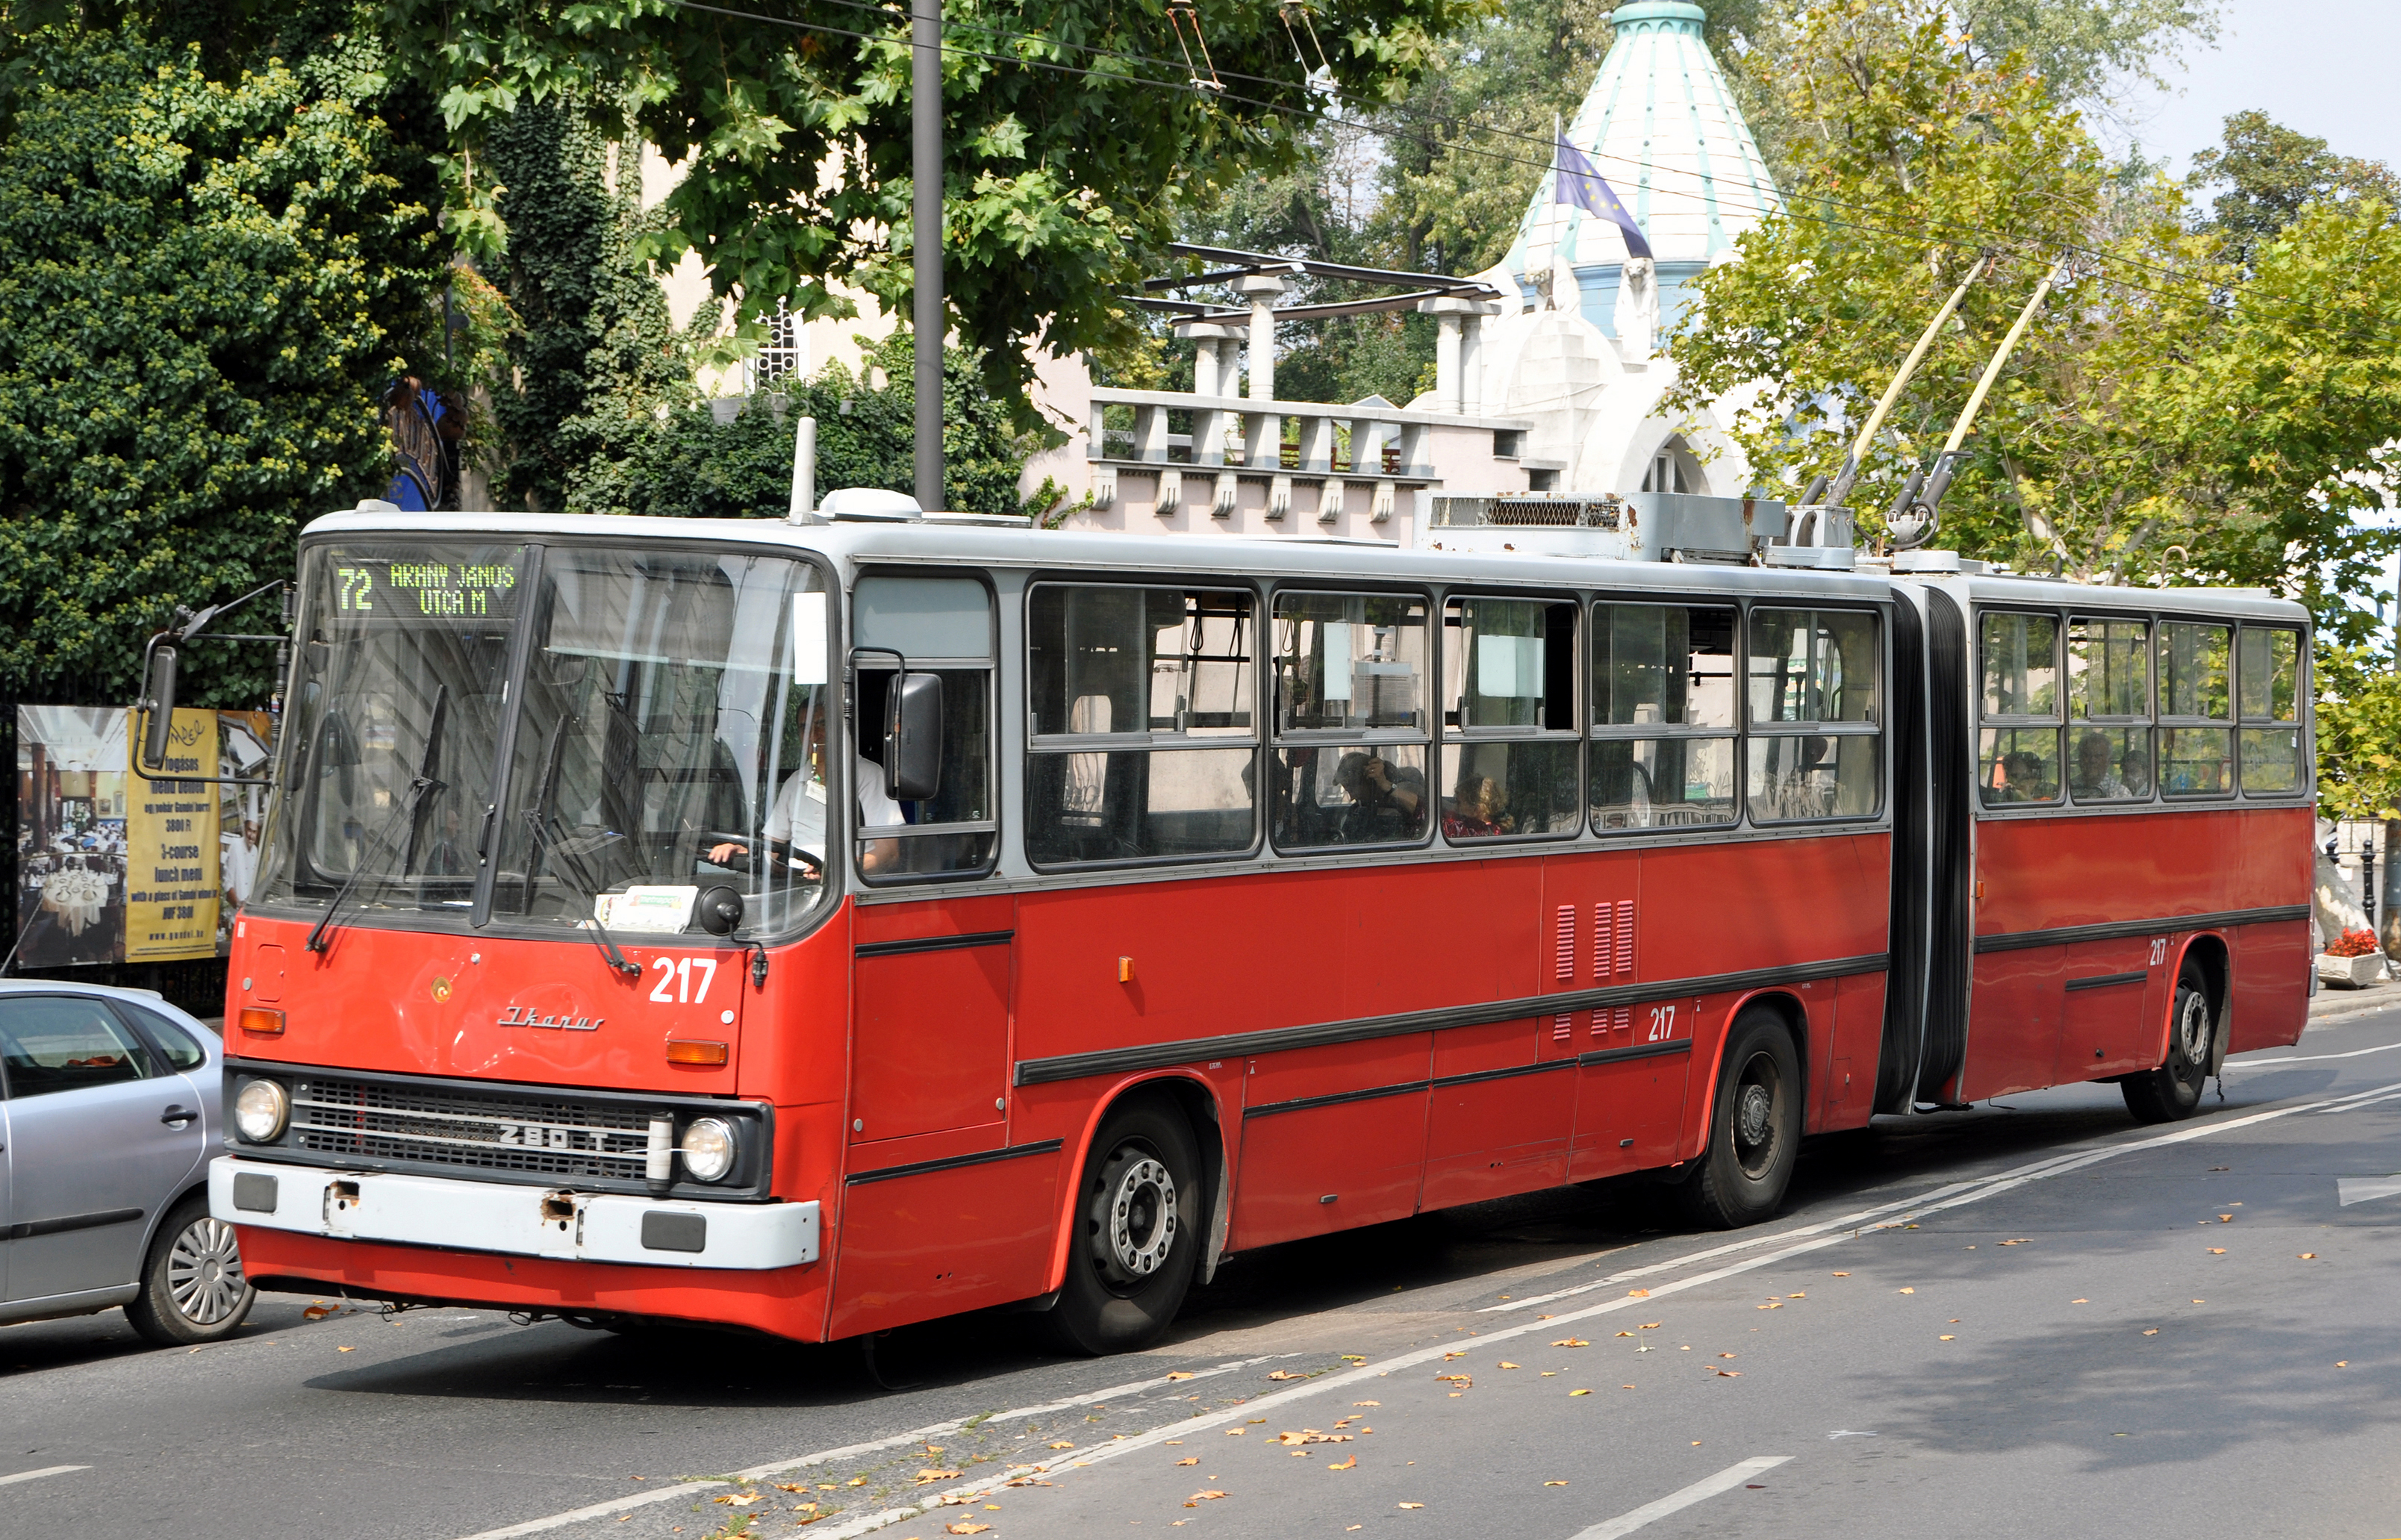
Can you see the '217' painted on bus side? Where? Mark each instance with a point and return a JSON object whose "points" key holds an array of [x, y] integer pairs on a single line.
{"points": [[1663, 1024]]}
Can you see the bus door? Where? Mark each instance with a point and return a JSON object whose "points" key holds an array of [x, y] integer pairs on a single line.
{"points": [[931, 1210], [1629, 1103]]}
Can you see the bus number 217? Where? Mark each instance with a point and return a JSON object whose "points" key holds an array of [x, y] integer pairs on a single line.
{"points": [[1663, 1024], [676, 973]]}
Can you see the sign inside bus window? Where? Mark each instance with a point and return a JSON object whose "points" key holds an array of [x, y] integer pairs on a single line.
{"points": [[436, 589]]}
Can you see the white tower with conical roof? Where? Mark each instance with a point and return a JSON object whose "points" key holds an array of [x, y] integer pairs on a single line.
{"points": [[1579, 357]]}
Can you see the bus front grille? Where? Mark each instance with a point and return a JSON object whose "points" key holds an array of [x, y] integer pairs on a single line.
{"points": [[549, 1136]]}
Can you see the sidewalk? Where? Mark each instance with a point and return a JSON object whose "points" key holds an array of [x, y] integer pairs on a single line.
{"points": [[2330, 1004]]}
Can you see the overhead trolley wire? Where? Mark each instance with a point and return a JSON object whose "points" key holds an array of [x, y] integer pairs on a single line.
{"points": [[1986, 237]]}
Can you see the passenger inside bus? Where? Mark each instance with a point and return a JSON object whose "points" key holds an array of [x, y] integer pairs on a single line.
{"points": [[1477, 809], [1387, 801], [2094, 776]]}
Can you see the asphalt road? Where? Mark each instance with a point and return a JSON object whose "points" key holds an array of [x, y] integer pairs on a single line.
{"points": [[2033, 1319]]}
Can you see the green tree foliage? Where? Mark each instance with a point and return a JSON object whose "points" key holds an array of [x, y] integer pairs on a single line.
{"points": [[690, 465], [2358, 732], [1073, 138], [2264, 174], [204, 284]]}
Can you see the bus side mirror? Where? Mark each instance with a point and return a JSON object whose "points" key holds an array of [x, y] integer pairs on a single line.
{"points": [[160, 705], [913, 738]]}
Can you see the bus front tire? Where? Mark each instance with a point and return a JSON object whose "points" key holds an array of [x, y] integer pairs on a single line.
{"points": [[1754, 1129], [2173, 1091], [1138, 1224]]}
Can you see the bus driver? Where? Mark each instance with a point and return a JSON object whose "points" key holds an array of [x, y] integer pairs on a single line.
{"points": [[796, 825]]}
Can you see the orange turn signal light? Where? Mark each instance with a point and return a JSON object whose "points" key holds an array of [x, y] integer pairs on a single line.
{"points": [[265, 1024], [693, 1051]]}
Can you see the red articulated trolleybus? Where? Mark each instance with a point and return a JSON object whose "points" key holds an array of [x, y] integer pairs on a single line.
{"points": [[823, 926]]}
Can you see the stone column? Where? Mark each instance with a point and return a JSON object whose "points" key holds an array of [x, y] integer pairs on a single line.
{"points": [[1213, 373], [1459, 351], [1262, 432]]}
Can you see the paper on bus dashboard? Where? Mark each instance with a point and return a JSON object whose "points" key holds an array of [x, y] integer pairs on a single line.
{"points": [[657, 909]]}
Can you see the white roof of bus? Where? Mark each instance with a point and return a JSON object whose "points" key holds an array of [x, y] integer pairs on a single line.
{"points": [[1008, 543]]}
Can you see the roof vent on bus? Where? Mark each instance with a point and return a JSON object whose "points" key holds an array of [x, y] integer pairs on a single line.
{"points": [[870, 504]]}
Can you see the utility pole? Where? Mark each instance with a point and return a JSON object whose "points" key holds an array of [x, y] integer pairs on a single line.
{"points": [[926, 164]]}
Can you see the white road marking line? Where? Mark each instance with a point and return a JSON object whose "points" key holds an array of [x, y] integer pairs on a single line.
{"points": [[2360, 1190], [2309, 1058], [1851, 1432], [1952, 1196], [38, 1475], [931, 1430], [1676, 1502]]}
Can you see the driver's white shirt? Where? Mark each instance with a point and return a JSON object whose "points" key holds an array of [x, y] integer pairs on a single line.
{"points": [[798, 815]]}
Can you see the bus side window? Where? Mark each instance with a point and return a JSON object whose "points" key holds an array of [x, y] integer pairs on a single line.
{"points": [[1813, 749], [2196, 710], [2269, 686], [2017, 748], [944, 626]]}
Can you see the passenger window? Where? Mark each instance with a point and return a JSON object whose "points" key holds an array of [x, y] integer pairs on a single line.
{"points": [[1663, 681], [944, 626], [1145, 742], [50, 1043], [1509, 764], [2268, 691], [2017, 746], [2108, 711], [1814, 750], [2196, 710], [1349, 763], [175, 1044]]}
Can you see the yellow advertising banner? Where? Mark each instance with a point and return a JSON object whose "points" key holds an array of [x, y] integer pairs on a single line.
{"points": [[172, 870]]}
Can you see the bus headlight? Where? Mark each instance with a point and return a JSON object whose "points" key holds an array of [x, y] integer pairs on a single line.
{"points": [[260, 1111], [707, 1149]]}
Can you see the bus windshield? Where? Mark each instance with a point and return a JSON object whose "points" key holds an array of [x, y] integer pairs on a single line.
{"points": [[483, 733]]}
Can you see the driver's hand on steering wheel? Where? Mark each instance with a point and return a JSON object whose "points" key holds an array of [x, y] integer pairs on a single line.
{"points": [[723, 854]]}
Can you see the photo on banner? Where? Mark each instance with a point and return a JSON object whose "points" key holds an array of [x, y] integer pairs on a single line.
{"points": [[113, 868]]}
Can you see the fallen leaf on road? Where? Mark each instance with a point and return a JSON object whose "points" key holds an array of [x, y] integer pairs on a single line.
{"points": [[318, 1313], [1353, 1358], [1189, 1460], [2019, 1242], [1200, 1497], [1626, 1387], [742, 1501], [1906, 1291], [2225, 1219], [2342, 1363], [1507, 1364], [2150, 1331], [965, 1529], [1571, 1342], [1233, 1433], [1180, 1374], [1448, 1356], [2217, 1251], [354, 1350], [1625, 1334], [1729, 1374], [1773, 1304], [1412, 1504], [1729, 1354], [1796, 1295], [791, 1486], [1366, 1403], [1947, 1337], [2306, 1256], [1351, 1464], [1286, 1374], [1550, 1374], [1554, 1483], [926, 1475], [2079, 1301], [1065, 1443], [861, 1480], [1579, 1393], [1637, 1294], [1652, 1326], [1842, 1274], [1311, 1436]]}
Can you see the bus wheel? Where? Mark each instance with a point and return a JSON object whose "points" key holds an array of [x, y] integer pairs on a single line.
{"points": [[2173, 1091], [1138, 1231], [1754, 1128]]}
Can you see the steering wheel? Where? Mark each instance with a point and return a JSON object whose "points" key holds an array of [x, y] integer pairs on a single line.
{"points": [[712, 838]]}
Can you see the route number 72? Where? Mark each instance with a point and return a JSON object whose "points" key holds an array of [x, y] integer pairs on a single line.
{"points": [[676, 973]]}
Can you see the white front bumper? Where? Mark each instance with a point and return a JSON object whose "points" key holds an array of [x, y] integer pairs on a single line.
{"points": [[458, 1216]]}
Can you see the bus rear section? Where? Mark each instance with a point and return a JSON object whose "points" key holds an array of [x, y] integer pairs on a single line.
{"points": [[2137, 813]]}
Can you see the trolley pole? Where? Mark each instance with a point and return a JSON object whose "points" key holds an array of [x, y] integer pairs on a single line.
{"points": [[926, 163]]}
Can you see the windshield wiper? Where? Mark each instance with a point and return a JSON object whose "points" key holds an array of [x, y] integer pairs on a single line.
{"points": [[542, 829], [422, 783]]}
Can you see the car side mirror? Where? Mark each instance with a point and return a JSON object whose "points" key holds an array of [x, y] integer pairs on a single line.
{"points": [[159, 703], [913, 738]]}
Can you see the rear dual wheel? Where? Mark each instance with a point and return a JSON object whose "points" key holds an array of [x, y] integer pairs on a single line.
{"points": [[1137, 1231], [2173, 1091], [1754, 1128]]}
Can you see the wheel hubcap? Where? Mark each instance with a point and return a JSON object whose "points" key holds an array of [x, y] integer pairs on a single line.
{"points": [[1139, 1219], [204, 1272], [1754, 1117], [2192, 1035]]}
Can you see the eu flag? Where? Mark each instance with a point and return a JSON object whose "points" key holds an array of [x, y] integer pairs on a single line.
{"points": [[1580, 186]]}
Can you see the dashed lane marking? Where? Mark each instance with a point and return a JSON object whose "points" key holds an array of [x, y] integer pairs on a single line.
{"points": [[1676, 1502], [38, 1475]]}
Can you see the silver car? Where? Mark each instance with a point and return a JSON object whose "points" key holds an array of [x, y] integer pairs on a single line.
{"points": [[108, 1113]]}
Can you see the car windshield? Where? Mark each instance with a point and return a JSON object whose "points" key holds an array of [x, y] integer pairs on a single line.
{"points": [[645, 702]]}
